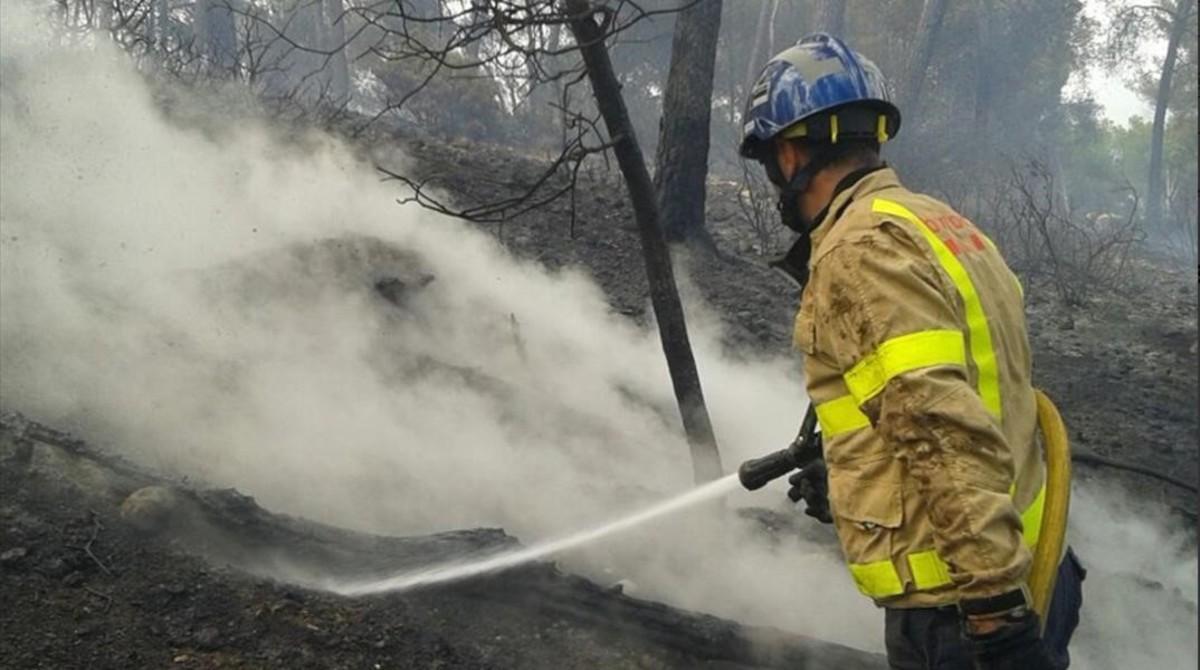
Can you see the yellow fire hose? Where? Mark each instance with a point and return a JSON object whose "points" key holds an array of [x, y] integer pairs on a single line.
{"points": [[1052, 540]]}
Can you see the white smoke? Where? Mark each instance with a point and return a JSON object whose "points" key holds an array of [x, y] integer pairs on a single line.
{"points": [[1140, 592], [201, 299]]}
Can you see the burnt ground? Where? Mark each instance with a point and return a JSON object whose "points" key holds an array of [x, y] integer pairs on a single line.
{"points": [[1123, 371], [100, 579], [171, 587]]}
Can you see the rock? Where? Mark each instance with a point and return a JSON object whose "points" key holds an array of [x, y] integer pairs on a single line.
{"points": [[53, 567], [208, 638], [397, 291], [13, 556], [623, 586], [150, 509]]}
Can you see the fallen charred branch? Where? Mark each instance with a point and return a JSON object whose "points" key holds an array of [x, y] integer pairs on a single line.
{"points": [[1106, 462]]}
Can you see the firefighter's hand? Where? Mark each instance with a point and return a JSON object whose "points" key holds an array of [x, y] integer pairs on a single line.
{"points": [[1007, 642], [812, 486]]}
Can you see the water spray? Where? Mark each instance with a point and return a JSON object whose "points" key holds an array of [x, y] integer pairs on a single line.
{"points": [[458, 570], [752, 475]]}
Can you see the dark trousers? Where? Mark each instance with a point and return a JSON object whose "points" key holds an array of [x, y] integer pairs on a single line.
{"points": [[931, 638]]}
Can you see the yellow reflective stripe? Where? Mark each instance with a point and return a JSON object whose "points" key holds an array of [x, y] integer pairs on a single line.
{"points": [[796, 130], [1031, 519], [904, 354], [982, 352], [881, 580], [840, 416], [929, 571], [878, 579]]}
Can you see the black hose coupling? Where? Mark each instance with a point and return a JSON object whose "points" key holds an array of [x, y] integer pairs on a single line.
{"points": [[758, 472]]}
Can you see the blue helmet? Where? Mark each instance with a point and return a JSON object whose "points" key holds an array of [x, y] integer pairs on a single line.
{"points": [[821, 90]]}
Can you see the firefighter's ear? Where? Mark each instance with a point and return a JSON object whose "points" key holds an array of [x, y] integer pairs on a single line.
{"points": [[790, 156]]}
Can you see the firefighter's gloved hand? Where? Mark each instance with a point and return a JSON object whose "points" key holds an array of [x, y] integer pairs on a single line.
{"points": [[812, 486], [1007, 640]]}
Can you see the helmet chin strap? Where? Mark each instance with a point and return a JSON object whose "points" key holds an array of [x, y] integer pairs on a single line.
{"points": [[789, 194], [794, 263]]}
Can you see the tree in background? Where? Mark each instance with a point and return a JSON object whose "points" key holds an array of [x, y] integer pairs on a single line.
{"points": [[1170, 86], [925, 42], [681, 164], [1174, 19], [830, 16], [216, 34]]}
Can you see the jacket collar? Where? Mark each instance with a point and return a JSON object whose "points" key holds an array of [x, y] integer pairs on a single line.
{"points": [[854, 186]]}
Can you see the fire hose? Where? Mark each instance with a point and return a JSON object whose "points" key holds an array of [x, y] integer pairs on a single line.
{"points": [[1052, 541], [806, 448]]}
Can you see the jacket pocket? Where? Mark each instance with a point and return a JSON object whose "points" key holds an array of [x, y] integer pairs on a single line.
{"points": [[866, 493], [867, 505]]}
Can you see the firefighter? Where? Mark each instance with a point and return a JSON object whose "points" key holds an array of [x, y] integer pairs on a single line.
{"points": [[917, 359]]}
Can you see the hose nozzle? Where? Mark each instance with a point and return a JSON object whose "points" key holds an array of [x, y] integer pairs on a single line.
{"points": [[758, 472]]}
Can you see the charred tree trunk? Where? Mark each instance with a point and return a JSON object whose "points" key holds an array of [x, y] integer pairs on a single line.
{"points": [[157, 22], [928, 28], [766, 12], [664, 296], [478, 19], [681, 166], [104, 15], [564, 121], [1154, 182], [984, 90], [335, 41], [983, 65], [831, 17], [771, 27], [216, 34]]}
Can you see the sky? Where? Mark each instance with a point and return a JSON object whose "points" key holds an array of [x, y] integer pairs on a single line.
{"points": [[1117, 101]]}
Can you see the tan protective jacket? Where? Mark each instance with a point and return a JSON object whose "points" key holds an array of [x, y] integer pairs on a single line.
{"points": [[918, 361]]}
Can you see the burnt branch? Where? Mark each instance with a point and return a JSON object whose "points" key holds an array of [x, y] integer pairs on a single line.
{"points": [[1079, 252], [555, 181]]}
